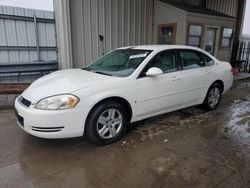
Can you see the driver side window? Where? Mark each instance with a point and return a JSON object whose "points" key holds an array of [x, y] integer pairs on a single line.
{"points": [[165, 61]]}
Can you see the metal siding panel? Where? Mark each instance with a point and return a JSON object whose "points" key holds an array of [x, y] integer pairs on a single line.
{"points": [[94, 29], [22, 39], [8, 10], [87, 31], [50, 34], [42, 34], [113, 24], [230, 10], [116, 24], [39, 13], [121, 22], [76, 17], [24, 56], [4, 57], [14, 57], [107, 21], [22, 33], [3, 42], [101, 26], [132, 23], [236, 4], [126, 22], [44, 55], [31, 34], [144, 22], [29, 12], [49, 14], [120, 32], [33, 56], [10, 30], [52, 55], [139, 22], [3, 38], [228, 7], [19, 11]]}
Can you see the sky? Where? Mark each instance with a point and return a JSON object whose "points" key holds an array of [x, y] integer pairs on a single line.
{"points": [[246, 25], [33, 4], [48, 5]]}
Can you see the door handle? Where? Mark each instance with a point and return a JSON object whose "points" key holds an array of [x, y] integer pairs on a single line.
{"points": [[175, 78]]}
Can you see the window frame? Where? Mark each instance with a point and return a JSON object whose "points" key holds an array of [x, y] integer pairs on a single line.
{"points": [[222, 37], [200, 37], [206, 63], [200, 54], [178, 65]]}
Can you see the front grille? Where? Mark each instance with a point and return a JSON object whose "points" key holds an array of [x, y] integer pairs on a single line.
{"points": [[47, 129], [24, 101]]}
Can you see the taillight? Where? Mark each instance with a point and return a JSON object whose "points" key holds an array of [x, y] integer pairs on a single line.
{"points": [[234, 70]]}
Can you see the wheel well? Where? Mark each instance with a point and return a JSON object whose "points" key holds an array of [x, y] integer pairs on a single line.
{"points": [[120, 100], [220, 83]]}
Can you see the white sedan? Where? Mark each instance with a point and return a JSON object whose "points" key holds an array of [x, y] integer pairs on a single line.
{"points": [[124, 86]]}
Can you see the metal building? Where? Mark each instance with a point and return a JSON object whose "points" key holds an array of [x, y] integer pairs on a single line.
{"points": [[27, 35], [89, 28]]}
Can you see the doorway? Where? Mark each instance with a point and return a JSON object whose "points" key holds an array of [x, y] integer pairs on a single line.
{"points": [[210, 40]]}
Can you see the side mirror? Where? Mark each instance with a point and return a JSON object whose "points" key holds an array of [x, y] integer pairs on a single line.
{"points": [[210, 63], [154, 71]]}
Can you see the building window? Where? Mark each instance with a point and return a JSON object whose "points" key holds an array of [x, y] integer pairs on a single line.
{"points": [[194, 35], [226, 37], [167, 34]]}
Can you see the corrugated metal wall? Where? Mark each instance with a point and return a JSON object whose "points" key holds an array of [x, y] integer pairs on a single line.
{"points": [[18, 35], [121, 22], [228, 7], [190, 2]]}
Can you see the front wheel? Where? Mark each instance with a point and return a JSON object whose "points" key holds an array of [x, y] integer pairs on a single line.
{"points": [[106, 123], [213, 97]]}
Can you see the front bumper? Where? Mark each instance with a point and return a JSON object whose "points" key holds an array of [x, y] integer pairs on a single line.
{"points": [[51, 124]]}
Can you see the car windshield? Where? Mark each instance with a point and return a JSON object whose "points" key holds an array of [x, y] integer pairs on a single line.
{"points": [[120, 63]]}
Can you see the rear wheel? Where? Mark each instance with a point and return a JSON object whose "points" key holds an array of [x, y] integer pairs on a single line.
{"points": [[213, 97], [106, 123]]}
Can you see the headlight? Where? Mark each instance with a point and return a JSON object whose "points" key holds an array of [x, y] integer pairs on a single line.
{"points": [[58, 102]]}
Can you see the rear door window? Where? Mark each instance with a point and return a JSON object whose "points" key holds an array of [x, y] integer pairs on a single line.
{"points": [[191, 59], [209, 61]]}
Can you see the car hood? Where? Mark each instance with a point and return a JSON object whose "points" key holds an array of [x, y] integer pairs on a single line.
{"points": [[62, 82]]}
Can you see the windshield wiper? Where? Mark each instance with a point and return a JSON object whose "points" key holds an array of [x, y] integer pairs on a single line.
{"points": [[86, 68], [99, 72]]}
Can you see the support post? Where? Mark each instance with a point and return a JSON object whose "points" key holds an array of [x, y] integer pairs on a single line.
{"points": [[239, 18]]}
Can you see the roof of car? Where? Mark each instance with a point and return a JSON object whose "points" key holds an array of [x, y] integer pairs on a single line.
{"points": [[160, 47]]}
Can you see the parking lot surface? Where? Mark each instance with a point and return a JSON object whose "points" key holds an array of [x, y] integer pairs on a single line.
{"points": [[187, 148]]}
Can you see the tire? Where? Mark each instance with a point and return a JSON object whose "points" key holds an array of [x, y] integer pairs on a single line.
{"points": [[106, 123], [213, 97]]}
